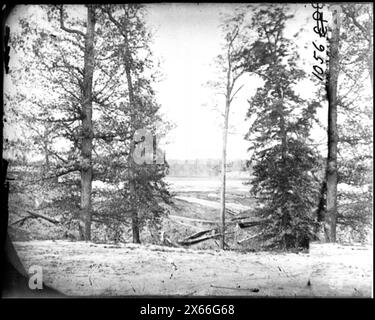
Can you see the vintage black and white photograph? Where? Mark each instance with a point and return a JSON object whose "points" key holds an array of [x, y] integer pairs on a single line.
{"points": [[189, 150]]}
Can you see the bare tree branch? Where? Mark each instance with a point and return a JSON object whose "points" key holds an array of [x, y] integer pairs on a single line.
{"points": [[62, 26]]}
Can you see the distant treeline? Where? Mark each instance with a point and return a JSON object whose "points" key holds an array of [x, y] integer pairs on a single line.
{"points": [[204, 167], [178, 168]]}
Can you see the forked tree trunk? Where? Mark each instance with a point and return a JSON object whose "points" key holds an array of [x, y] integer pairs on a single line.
{"points": [[132, 128], [87, 133], [331, 171]]}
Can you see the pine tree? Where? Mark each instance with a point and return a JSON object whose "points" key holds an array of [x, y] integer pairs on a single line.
{"points": [[283, 160]]}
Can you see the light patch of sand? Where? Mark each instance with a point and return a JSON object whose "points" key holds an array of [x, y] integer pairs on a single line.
{"points": [[84, 268]]}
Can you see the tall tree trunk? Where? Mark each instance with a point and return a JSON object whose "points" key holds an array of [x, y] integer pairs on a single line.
{"points": [[224, 151], [331, 170], [134, 210], [223, 172], [87, 133]]}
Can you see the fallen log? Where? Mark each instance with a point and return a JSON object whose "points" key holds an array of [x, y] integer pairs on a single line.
{"points": [[187, 242], [40, 215], [198, 234], [239, 218], [36, 215], [195, 241], [248, 224], [22, 220], [33, 214]]}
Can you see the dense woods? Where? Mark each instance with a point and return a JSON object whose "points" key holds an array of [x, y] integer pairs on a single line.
{"points": [[81, 100], [98, 85]]}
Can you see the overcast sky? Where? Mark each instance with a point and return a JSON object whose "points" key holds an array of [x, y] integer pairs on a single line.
{"points": [[187, 38]]}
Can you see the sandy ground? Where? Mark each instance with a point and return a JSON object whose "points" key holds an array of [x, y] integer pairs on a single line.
{"points": [[215, 204], [190, 184], [83, 269]]}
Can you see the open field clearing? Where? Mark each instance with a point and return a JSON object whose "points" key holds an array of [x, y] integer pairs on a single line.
{"points": [[191, 184]]}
